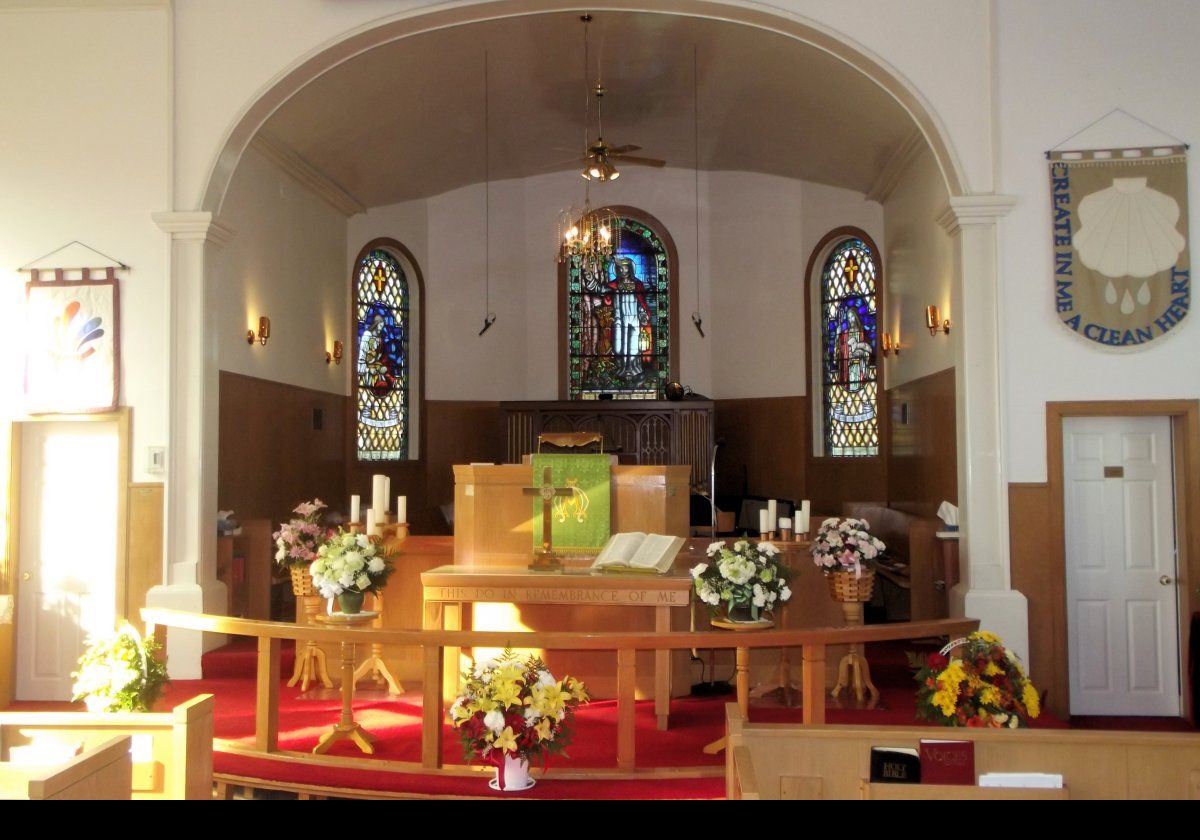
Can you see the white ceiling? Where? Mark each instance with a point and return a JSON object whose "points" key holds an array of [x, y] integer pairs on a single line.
{"points": [[406, 120]]}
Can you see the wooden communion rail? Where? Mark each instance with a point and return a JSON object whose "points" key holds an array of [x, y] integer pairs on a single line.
{"points": [[433, 644]]}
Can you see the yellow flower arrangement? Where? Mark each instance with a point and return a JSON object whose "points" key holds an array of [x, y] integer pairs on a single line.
{"points": [[513, 707], [985, 686]]}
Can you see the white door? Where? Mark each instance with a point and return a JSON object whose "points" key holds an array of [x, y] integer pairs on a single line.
{"points": [[67, 550], [1122, 600]]}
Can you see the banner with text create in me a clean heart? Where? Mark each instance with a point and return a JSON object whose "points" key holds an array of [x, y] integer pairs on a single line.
{"points": [[1122, 268], [579, 521]]}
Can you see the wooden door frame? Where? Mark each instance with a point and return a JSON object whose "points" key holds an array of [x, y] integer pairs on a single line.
{"points": [[10, 567], [1185, 435]]}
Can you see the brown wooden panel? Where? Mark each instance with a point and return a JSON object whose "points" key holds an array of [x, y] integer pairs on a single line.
{"points": [[270, 458], [764, 449], [1032, 575], [144, 569], [923, 464]]}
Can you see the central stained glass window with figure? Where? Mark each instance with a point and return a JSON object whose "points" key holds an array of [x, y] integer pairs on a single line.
{"points": [[848, 344], [619, 319]]}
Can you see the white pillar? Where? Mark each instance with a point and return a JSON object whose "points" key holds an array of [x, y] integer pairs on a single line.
{"points": [[189, 564], [985, 591]]}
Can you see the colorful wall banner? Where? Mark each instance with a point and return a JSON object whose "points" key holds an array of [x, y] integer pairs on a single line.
{"points": [[72, 358], [1122, 269]]}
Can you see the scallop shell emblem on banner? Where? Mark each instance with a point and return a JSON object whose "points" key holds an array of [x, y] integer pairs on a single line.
{"points": [[1129, 230]]}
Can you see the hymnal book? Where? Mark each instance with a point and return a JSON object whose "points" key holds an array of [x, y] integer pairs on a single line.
{"points": [[895, 764], [638, 552], [947, 762]]}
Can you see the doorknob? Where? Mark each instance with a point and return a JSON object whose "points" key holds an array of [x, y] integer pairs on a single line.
{"points": [[26, 576], [1165, 580]]}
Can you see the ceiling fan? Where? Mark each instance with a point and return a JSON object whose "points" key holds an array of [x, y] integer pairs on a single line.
{"points": [[598, 158]]}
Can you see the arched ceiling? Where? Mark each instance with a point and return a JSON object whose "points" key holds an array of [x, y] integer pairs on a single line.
{"points": [[406, 120]]}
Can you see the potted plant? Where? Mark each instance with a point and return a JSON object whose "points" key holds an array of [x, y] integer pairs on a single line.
{"points": [[510, 710], [746, 580], [348, 566], [845, 550], [120, 672], [296, 544], [975, 682]]}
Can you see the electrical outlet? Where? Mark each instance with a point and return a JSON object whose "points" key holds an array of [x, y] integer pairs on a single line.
{"points": [[156, 463]]}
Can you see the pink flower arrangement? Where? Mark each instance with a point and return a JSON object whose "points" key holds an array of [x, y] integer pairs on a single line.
{"points": [[297, 541], [845, 545]]}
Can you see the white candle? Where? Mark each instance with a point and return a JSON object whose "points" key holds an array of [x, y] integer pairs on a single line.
{"points": [[355, 507], [370, 522], [764, 519], [785, 524], [402, 509], [387, 492], [378, 495], [772, 513], [805, 513]]}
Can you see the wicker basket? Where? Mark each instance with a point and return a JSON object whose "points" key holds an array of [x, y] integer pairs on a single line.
{"points": [[302, 586], [847, 588]]}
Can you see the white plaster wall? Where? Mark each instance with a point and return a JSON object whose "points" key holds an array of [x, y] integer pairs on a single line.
{"points": [[287, 260], [936, 47], [754, 244], [918, 263], [85, 154], [1062, 66]]}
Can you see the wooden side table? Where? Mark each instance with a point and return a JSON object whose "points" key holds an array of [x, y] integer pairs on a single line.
{"points": [[374, 666], [346, 727]]}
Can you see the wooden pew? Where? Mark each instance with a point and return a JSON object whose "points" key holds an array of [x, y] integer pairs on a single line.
{"points": [[103, 771], [178, 759], [785, 761]]}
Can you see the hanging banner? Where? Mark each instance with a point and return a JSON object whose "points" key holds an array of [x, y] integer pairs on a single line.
{"points": [[72, 362], [1122, 270]]}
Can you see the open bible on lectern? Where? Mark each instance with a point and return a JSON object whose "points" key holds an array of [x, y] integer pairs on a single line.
{"points": [[638, 552]]}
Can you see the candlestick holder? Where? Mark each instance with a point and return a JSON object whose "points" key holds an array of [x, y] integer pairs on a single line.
{"points": [[785, 534]]}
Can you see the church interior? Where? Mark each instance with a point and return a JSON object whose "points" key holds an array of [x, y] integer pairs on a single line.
{"points": [[483, 293]]}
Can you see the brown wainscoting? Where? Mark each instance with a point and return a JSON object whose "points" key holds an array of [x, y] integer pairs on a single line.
{"points": [[144, 565], [765, 446], [269, 455], [1029, 542], [923, 461], [456, 432]]}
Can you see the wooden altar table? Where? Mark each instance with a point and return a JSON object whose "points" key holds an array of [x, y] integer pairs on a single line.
{"points": [[452, 586]]}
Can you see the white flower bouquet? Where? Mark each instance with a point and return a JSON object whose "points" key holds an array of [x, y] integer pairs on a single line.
{"points": [[120, 673], [845, 545], [747, 578], [349, 562]]}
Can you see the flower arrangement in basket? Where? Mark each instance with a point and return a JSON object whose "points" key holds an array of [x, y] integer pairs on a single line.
{"points": [[747, 578], [511, 709], [986, 687], [120, 673], [297, 541], [348, 566], [845, 550]]}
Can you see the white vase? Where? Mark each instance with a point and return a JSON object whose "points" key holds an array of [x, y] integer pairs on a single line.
{"points": [[516, 775]]}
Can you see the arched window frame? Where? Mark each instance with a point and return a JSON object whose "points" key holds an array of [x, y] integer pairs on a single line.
{"points": [[660, 231], [414, 433], [814, 320]]}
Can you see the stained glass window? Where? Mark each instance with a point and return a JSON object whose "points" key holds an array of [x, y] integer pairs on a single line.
{"points": [[848, 343], [619, 319], [381, 357]]}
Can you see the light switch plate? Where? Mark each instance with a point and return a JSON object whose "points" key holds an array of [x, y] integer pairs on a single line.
{"points": [[156, 462]]}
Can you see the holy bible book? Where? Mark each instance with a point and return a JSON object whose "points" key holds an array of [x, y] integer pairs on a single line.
{"points": [[638, 552]]}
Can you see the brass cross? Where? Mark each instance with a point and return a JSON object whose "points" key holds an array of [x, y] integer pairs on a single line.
{"points": [[547, 491]]}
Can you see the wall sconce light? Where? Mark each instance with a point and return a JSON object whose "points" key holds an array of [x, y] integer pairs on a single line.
{"points": [[264, 331], [888, 345], [934, 322], [336, 355]]}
